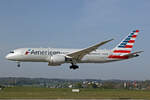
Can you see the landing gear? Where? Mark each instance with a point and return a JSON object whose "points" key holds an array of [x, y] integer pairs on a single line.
{"points": [[18, 64], [74, 67]]}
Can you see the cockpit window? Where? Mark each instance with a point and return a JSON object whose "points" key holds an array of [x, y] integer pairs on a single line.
{"points": [[11, 51]]}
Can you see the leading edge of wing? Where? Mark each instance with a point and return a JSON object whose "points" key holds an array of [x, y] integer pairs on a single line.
{"points": [[79, 54]]}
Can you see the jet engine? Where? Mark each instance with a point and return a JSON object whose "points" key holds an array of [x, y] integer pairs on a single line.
{"points": [[56, 60]]}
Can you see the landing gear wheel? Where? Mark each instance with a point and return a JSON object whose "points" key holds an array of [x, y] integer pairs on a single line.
{"points": [[74, 67], [18, 64]]}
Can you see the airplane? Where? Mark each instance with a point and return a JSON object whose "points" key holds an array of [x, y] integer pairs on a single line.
{"points": [[58, 56]]}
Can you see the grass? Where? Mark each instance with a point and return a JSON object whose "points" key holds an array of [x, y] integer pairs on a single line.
{"points": [[47, 93]]}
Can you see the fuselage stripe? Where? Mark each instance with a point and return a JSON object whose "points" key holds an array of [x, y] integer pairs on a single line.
{"points": [[118, 57]]}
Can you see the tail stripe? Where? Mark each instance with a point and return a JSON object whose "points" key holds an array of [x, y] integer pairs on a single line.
{"points": [[131, 41], [122, 51], [121, 46], [125, 41], [128, 46], [134, 36]]}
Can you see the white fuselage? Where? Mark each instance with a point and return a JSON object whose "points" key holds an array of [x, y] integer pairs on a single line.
{"points": [[44, 54]]}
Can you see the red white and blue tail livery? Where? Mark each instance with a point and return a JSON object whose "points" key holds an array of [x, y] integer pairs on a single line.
{"points": [[58, 56], [125, 47]]}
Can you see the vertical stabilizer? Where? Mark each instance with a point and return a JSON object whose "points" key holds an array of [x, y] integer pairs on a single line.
{"points": [[125, 46]]}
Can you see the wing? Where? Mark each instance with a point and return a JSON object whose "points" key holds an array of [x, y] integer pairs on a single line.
{"points": [[78, 55]]}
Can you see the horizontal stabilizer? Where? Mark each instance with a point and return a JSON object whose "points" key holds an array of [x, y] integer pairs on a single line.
{"points": [[134, 54]]}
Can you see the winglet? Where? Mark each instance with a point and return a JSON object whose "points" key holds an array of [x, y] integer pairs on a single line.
{"points": [[100, 44], [110, 40], [105, 42]]}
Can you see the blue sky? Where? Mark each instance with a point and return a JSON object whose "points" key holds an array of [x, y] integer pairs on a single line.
{"points": [[74, 24]]}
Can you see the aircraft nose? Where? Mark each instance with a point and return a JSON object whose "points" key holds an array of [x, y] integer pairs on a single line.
{"points": [[8, 57], [12, 56]]}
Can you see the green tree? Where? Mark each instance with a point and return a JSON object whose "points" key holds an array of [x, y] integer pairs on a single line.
{"points": [[78, 85], [108, 85]]}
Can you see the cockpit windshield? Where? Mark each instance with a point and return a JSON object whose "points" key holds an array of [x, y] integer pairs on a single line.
{"points": [[11, 51]]}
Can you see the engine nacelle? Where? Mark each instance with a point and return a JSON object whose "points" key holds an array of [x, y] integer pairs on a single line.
{"points": [[56, 60]]}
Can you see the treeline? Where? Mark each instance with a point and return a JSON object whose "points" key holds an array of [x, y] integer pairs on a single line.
{"points": [[74, 83]]}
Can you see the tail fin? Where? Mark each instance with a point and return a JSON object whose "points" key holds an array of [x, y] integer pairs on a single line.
{"points": [[125, 47]]}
